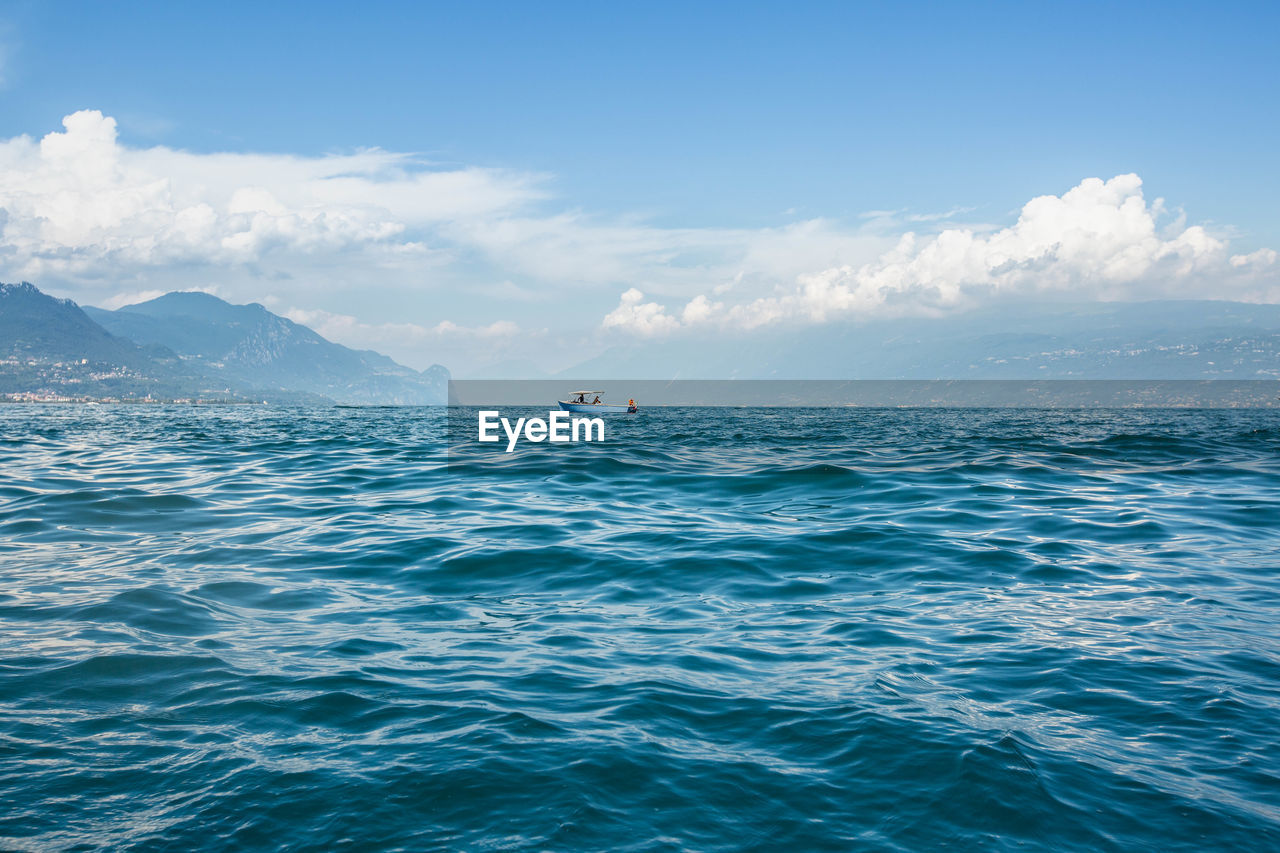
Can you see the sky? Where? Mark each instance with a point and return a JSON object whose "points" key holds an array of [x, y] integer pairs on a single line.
{"points": [[490, 184]]}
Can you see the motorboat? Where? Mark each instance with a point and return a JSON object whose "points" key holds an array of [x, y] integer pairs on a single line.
{"points": [[588, 403]]}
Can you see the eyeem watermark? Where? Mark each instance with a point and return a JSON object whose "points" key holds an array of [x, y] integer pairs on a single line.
{"points": [[557, 428]]}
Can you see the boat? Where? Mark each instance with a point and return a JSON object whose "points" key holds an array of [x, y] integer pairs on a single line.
{"points": [[588, 403]]}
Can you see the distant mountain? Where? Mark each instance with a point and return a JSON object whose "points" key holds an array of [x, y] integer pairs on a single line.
{"points": [[189, 346], [247, 344], [37, 326], [1172, 339], [51, 348]]}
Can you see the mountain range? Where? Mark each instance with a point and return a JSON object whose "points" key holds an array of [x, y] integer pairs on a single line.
{"points": [[1168, 339], [196, 346], [190, 346]]}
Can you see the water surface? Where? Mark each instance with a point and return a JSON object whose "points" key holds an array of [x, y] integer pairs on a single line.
{"points": [[728, 629]]}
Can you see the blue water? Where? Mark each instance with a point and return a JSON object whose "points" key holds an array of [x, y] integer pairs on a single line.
{"points": [[226, 628]]}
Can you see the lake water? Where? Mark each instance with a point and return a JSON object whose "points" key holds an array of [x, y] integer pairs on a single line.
{"points": [[721, 629]]}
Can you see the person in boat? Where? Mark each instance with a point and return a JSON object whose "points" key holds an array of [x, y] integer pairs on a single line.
{"points": [[581, 399], [596, 401]]}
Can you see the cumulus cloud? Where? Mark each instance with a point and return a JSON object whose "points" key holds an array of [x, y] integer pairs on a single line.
{"points": [[1101, 239], [642, 318], [84, 212], [79, 203], [378, 233], [650, 318], [700, 309], [1261, 259]]}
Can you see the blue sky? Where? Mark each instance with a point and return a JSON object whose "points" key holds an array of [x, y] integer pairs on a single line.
{"points": [[698, 124]]}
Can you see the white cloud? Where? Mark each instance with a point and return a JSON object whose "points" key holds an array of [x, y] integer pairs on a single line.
{"points": [[642, 318], [346, 329], [83, 214], [699, 310], [382, 234], [496, 329], [1099, 240], [78, 203], [1261, 259], [580, 250]]}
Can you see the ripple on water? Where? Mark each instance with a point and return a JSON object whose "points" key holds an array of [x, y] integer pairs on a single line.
{"points": [[894, 629]]}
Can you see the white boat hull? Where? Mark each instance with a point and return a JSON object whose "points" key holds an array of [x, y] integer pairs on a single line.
{"points": [[595, 408]]}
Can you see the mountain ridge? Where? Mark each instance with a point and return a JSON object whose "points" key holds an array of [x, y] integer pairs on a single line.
{"points": [[185, 344], [1160, 339]]}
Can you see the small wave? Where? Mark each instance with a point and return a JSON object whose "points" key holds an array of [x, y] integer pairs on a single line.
{"points": [[817, 629]]}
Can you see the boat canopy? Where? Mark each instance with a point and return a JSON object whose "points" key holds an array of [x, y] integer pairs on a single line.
{"points": [[586, 392]]}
